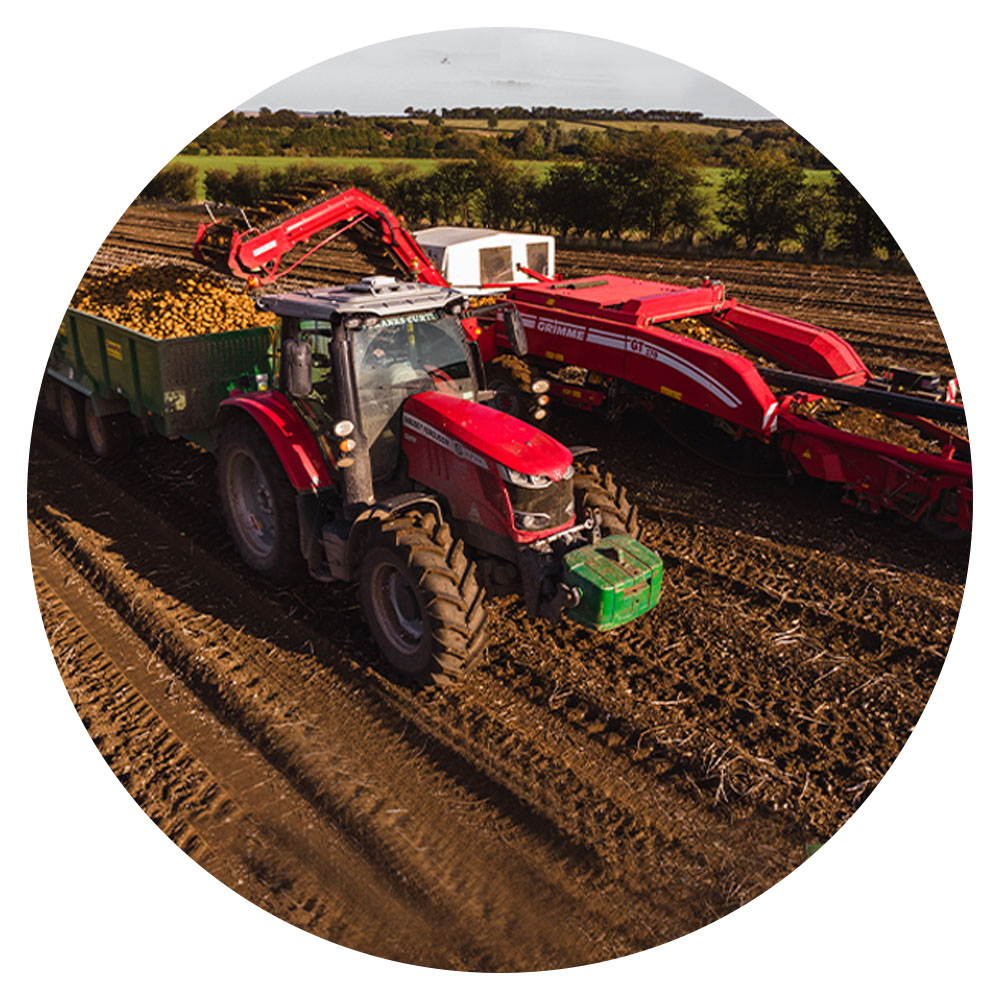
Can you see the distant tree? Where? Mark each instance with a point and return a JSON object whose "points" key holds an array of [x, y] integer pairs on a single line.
{"points": [[217, 184], [759, 197], [563, 197], [817, 218], [451, 190], [647, 182], [177, 182], [859, 231], [492, 121], [497, 180], [247, 185]]}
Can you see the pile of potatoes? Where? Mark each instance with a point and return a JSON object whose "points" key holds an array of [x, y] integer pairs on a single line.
{"points": [[169, 301]]}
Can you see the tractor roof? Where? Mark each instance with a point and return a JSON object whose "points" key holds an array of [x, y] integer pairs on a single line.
{"points": [[379, 294]]}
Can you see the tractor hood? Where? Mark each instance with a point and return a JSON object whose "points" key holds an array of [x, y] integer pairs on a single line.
{"points": [[450, 420]]}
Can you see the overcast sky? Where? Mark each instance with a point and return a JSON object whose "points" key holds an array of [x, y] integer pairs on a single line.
{"points": [[494, 67]]}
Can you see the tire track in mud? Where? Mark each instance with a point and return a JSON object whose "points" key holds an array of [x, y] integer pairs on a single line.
{"points": [[566, 832], [249, 829]]}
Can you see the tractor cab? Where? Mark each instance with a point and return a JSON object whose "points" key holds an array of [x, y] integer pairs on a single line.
{"points": [[357, 352]]}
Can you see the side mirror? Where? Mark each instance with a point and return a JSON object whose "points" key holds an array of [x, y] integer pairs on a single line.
{"points": [[296, 368], [513, 327]]}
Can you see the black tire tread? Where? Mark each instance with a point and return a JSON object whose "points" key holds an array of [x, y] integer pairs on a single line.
{"points": [[288, 564], [453, 596], [599, 492]]}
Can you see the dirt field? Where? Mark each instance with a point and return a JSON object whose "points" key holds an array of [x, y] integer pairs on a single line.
{"points": [[579, 796]]}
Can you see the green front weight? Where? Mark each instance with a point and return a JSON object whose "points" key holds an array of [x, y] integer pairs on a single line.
{"points": [[619, 579]]}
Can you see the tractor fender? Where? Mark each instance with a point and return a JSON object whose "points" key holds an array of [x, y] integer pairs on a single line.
{"points": [[293, 442], [344, 541], [372, 516]]}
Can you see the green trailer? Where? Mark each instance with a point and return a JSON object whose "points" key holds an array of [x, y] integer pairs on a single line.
{"points": [[100, 371]]}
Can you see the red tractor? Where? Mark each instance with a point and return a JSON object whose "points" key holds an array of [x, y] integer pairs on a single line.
{"points": [[374, 459]]}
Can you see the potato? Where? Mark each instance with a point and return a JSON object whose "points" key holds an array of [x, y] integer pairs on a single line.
{"points": [[167, 301]]}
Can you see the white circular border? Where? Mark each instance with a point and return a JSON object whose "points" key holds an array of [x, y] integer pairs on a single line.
{"points": [[98, 899]]}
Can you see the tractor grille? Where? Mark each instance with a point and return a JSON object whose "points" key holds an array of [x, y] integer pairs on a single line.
{"points": [[555, 500]]}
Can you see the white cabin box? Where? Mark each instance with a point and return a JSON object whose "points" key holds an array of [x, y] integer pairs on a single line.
{"points": [[471, 259]]}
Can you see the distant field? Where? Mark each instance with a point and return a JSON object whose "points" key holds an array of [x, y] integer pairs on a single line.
{"points": [[712, 175], [508, 125], [693, 128]]}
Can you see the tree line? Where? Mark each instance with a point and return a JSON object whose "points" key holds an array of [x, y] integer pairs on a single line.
{"points": [[544, 134], [650, 188]]}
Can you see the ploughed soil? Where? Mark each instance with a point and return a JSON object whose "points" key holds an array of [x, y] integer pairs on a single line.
{"points": [[576, 797]]}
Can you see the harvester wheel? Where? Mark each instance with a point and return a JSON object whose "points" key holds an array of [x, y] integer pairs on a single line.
{"points": [[934, 524], [592, 491], [510, 378], [421, 598], [71, 410], [109, 435], [258, 503]]}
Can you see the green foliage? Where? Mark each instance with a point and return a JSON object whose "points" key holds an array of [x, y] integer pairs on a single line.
{"points": [[760, 198], [497, 185], [859, 231], [176, 182], [816, 220]]}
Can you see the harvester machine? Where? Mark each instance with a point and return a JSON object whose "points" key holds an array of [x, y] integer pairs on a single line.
{"points": [[611, 342], [893, 440]]}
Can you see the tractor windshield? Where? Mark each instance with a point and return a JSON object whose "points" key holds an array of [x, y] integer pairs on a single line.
{"points": [[394, 359]]}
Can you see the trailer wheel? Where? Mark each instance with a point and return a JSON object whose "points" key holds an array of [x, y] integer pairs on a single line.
{"points": [[109, 435], [421, 598], [258, 503], [510, 378], [592, 491], [71, 410]]}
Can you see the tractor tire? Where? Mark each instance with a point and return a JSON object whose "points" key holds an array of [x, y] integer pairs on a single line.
{"points": [[109, 435], [421, 599], [258, 503], [510, 378], [71, 405], [592, 491]]}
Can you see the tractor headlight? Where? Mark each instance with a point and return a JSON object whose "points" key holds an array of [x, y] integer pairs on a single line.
{"points": [[516, 478], [527, 521]]}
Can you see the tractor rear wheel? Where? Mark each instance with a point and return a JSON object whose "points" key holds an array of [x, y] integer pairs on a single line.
{"points": [[71, 405], [594, 492], [258, 503], [421, 598], [510, 378]]}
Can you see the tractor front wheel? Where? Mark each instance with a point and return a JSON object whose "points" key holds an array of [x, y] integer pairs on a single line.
{"points": [[594, 492], [258, 503], [421, 599]]}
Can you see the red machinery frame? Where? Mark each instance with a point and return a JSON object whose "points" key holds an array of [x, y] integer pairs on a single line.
{"points": [[610, 326]]}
